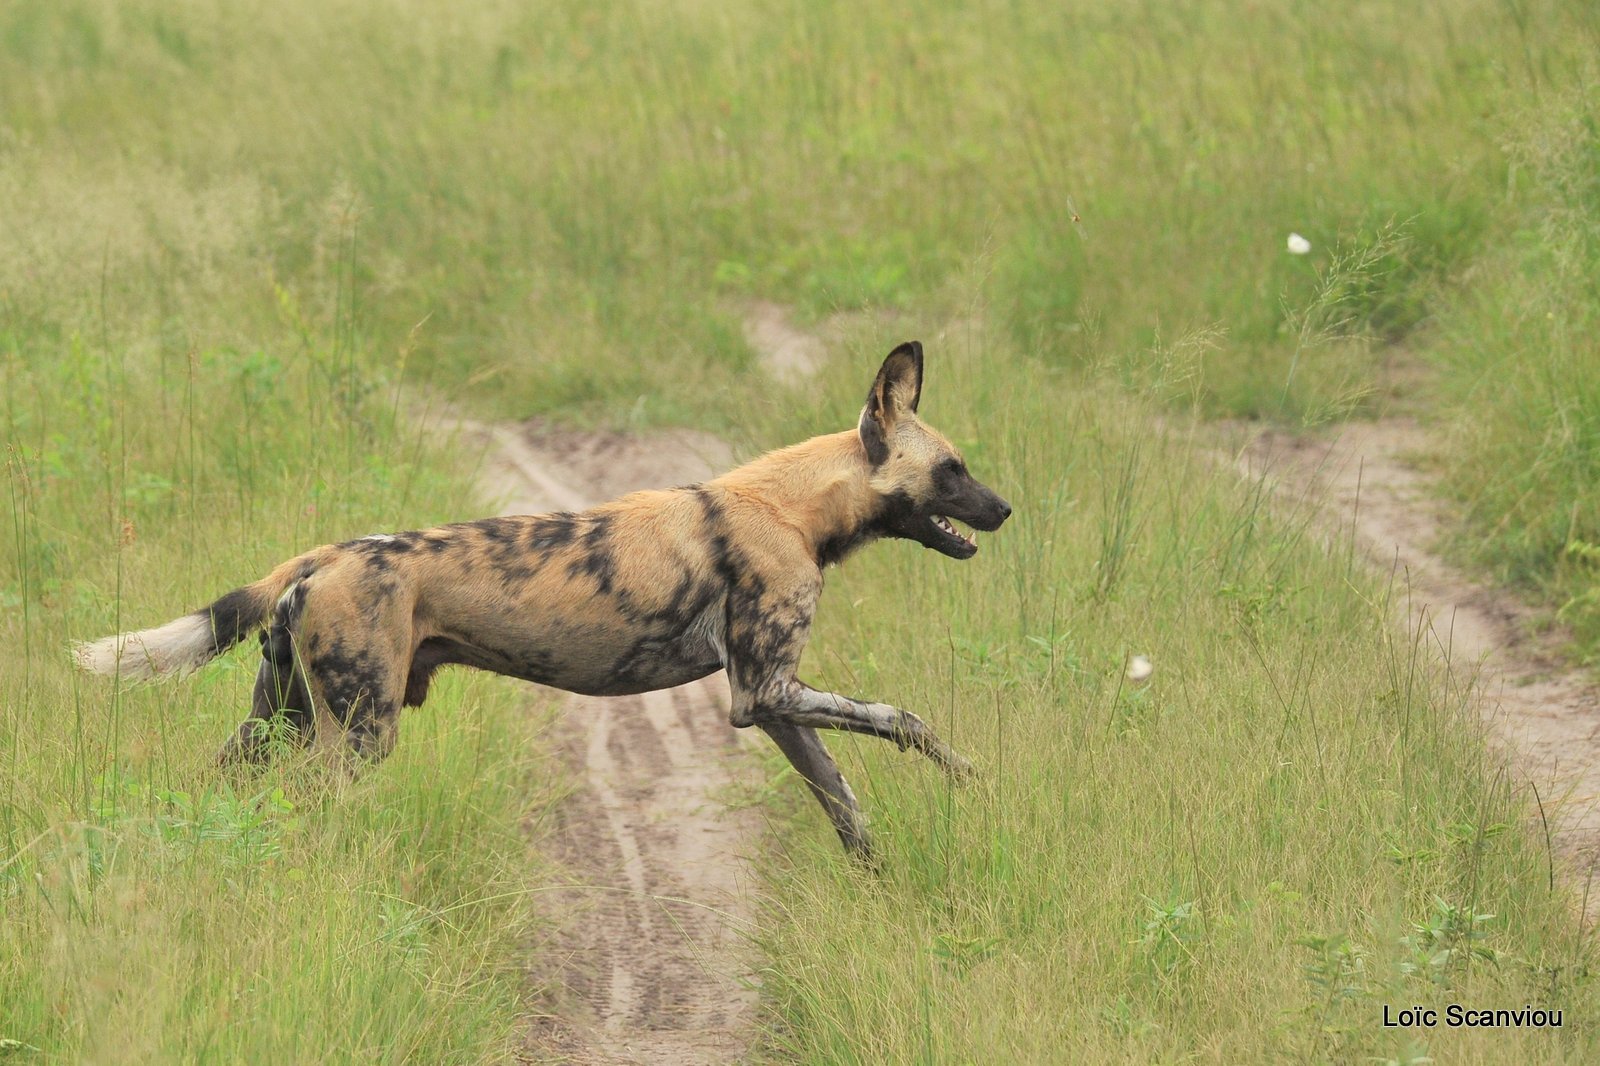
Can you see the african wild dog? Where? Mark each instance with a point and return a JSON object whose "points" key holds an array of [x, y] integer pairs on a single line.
{"points": [[655, 589]]}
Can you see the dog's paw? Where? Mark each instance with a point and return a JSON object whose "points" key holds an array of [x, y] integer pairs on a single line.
{"points": [[960, 769], [912, 732]]}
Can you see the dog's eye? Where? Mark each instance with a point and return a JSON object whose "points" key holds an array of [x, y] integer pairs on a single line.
{"points": [[953, 465]]}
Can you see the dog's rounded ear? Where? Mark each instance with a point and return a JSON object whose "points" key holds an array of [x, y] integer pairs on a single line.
{"points": [[898, 389], [900, 377]]}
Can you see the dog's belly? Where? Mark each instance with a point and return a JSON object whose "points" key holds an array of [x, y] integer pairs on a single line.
{"points": [[591, 662], [644, 676], [648, 662]]}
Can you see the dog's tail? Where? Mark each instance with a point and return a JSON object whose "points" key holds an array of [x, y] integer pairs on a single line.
{"points": [[190, 642]]}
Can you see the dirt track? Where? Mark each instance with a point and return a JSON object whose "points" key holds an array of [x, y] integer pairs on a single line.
{"points": [[1364, 480], [650, 963]]}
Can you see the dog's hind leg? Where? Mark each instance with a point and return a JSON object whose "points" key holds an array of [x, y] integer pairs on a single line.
{"points": [[363, 701], [812, 761], [280, 706], [356, 660]]}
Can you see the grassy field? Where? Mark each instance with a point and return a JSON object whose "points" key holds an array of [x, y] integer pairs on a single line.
{"points": [[1520, 371], [1292, 824], [539, 187], [229, 232], [154, 911]]}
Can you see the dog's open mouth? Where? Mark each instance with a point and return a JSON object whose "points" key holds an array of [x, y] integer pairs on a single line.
{"points": [[944, 526]]}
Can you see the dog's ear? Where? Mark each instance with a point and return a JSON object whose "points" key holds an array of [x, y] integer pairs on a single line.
{"points": [[897, 390]]}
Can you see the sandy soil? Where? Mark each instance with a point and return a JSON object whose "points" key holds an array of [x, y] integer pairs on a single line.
{"points": [[789, 354], [650, 962], [1365, 479]]}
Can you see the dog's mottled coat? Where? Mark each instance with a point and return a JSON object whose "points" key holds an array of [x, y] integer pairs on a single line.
{"points": [[656, 589]]}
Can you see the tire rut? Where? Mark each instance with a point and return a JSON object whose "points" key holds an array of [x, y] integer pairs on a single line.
{"points": [[1367, 486], [650, 961]]}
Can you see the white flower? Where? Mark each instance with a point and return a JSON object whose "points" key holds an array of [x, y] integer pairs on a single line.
{"points": [[1298, 245], [1140, 669]]}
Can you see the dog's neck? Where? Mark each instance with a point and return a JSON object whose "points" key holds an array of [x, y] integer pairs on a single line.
{"points": [[820, 488]]}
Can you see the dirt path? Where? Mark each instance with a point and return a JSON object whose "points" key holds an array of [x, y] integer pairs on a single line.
{"points": [[1366, 482], [650, 963]]}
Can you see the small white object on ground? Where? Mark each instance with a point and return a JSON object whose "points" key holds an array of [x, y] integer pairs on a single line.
{"points": [[1140, 669], [1298, 245]]}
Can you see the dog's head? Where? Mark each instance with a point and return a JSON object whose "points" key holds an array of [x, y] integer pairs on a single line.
{"points": [[921, 478]]}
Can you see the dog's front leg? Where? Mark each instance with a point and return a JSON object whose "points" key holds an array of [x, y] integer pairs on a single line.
{"points": [[793, 702], [805, 705], [812, 761], [765, 639]]}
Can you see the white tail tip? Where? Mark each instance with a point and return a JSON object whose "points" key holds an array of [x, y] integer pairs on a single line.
{"points": [[178, 647]]}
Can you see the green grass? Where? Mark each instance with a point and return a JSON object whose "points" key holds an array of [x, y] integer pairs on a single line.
{"points": [[154, 910], [229, 233], [1295, 822], [1520, 372], [558, 204]]}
